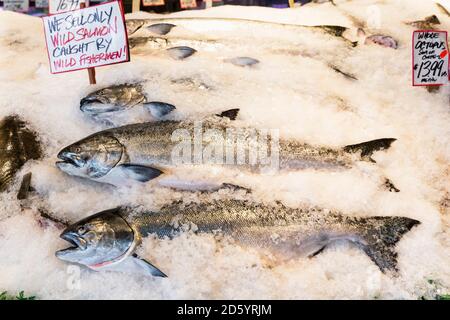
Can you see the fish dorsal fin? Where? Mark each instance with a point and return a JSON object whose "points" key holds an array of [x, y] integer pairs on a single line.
{"points": [[369, 147], [230, 114]]}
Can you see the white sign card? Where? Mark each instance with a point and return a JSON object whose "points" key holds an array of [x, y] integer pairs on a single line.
{"points": [[58, 6], [430, 58], [86, 38], [150, 3], [16, 5], [41, 3], [187, 4]]}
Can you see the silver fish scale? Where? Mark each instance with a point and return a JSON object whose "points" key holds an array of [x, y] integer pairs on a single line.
{"points": [[281, 231], [151, 143], [295, 154], [236, 218]]}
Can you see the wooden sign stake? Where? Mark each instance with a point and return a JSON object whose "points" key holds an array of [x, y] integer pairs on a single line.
{"points": [[136, 6], [91, 71]]}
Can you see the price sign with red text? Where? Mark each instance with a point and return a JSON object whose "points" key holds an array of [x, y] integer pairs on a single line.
{"points": [[186, 4], [58, 6], [86, 38], [430, 58], [151, 3]]}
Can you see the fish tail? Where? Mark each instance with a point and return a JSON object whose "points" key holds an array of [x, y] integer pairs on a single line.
{"points": [[381, 237], [369, 147]]}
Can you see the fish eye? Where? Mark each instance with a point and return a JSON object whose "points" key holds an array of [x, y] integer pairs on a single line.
{"points": [[77, 149], [81, 230]]}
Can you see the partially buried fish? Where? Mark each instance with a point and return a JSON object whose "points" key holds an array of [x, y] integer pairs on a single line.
{"points": [[18, 144], [144, 151], [121, 97], [243, 61], [236, 25], [108, 239], [133, 25]]}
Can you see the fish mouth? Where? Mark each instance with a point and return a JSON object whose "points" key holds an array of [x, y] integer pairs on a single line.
{"points": [[69, 159], [95, 104], [77, 244]]}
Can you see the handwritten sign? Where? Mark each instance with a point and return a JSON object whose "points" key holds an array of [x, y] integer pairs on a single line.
{"points": [[186, 4], [86, 38], [16, 5], [150, 3], [58, 6], [41, 3], [430, 58]]}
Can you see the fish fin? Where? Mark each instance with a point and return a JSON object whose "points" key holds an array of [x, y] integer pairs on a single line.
{"points": [[135, 265], [147, 266], [160, 28], [181, 52], [159, 109], [48, 217], [320, 250], [24, 187], [230, 114], [345, 74], [433, 19], [139, 172], [234, 187], [336, 31], [379, 241], [390, 186], [369, 147]]}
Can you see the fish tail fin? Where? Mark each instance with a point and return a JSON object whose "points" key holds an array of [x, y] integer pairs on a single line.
{"points": [[379, 241], [369, 147]]}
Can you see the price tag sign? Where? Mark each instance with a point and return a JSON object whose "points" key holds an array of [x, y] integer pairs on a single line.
{"points": [[151, 3], [86, 38], [41, 3], [186, 4], [58, 6], [16, 5], [430, 58]]}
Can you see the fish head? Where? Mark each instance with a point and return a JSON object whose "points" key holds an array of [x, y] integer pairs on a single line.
{"points": [[98, 240], [92, 157], [133, 25], [112, 99]]}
